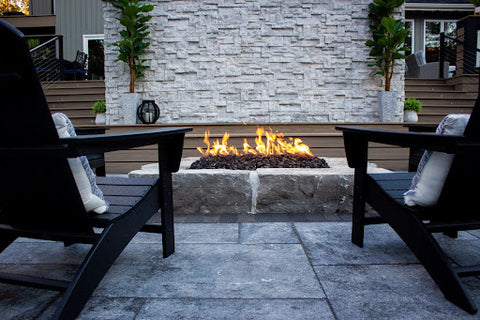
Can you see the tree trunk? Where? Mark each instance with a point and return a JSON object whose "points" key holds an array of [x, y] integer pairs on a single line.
{"points": [[387, 70], [132, 75]]}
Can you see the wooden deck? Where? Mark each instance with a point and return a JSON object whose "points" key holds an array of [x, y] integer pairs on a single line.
{"points": [[438, 97], [322, 138]]}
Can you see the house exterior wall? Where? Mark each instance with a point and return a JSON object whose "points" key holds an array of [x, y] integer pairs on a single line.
{"points": [[74, 19], [253, 61], [40, 7]]}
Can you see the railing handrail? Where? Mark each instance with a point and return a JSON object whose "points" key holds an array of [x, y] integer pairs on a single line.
{"points": [[468, 52], [458, 41], [54, 38], [48, 58]]}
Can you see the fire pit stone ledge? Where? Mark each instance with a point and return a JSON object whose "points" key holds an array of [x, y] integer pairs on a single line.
{"points": [[263, 191]]}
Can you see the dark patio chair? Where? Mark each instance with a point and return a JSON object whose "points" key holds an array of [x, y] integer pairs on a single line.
{"points": [[455, 210], [76, 69], [416, 67], [39, 197]]}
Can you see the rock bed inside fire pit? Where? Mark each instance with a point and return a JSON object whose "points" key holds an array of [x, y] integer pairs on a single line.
{"points": [[253, 162]]}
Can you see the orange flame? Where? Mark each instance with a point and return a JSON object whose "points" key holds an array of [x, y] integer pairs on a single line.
{"points": [[275, 144]]}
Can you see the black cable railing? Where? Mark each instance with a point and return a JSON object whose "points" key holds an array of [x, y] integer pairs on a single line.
{"points": [[48, 58], [465, 58]]}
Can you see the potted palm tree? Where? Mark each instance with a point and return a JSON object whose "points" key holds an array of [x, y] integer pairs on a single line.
{"points": [[131, 47], [387, 45]]}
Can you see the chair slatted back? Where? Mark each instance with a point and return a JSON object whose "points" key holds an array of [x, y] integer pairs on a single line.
{"points": [[462, 186], [35, 189]]}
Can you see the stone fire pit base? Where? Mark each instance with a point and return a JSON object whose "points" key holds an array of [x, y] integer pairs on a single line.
{"points": [[221, 191]]}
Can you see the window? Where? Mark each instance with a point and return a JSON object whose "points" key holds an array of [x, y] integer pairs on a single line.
{"points": [[93, 47], [410, 39], [433, 28]]}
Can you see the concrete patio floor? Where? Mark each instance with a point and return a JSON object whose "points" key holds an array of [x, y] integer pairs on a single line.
{"points": [[248, 270]]}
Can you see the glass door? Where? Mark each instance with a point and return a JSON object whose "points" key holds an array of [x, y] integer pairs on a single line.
{"points": [[410, 39], [433, 28], [93, 45]]}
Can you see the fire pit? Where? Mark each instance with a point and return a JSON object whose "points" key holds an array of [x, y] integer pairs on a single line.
{"points": [[327, 189], [261, 191], [275, 152]]}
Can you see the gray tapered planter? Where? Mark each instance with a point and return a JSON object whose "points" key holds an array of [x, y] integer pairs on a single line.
{"points": [[129, 103], [387, 106]]}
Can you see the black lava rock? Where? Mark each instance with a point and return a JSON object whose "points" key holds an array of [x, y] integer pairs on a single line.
{"points": [[252, 162]]}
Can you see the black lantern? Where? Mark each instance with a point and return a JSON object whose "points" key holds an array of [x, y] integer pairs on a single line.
{"points": [[148, 112]]}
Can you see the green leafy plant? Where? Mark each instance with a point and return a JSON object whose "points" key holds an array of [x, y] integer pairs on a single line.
{"points": [[33, 42], [133, 43], [388, 37], [99, 107], [413, 105]]}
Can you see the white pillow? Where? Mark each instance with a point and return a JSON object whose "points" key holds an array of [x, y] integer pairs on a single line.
{"points": [[92, 196], [434, 166]]}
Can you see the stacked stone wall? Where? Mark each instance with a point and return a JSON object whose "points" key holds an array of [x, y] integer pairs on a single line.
{"points": [[254, 61]]}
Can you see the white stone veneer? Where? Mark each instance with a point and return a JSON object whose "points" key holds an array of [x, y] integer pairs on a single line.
{"points": [[255, 61]]}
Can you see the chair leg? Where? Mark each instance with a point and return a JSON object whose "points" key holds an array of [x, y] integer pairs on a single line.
{"points": [[358, 213], [168, 237], [6, 240], [421, 242], [435, 261], [98, 261], [451, 234]]}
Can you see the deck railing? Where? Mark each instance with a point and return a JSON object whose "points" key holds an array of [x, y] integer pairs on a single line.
{"points": [[48, 58], [465, 58]]}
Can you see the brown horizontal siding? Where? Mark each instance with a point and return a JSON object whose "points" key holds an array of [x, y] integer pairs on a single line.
{"points": [[323, 140], [30, 21]]}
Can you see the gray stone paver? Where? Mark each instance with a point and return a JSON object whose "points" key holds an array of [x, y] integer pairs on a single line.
{"points": [[329, 244], [247, 270], [268, 232], [385, 292], [213, 271], [234, 309]]}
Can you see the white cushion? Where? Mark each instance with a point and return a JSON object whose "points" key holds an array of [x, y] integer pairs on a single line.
{"points": [[433, 168], [85, 179], [420, 57]]}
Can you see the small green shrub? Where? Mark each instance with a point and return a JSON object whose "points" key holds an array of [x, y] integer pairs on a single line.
{"points": [[33, 42], [412, 104], [99, 107]]}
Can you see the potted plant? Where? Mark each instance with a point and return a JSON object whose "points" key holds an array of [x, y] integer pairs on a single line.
{"points": [[411, 108], [132, 45], [99, 108], [387, 45], [133, 42], [476, 3]]}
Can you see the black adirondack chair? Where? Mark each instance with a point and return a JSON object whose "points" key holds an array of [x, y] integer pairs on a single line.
{"points": [[38, 194], [456, 210]]}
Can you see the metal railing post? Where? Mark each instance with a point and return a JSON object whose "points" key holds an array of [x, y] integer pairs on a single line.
{"points": [[442, 55], [60, 55]]}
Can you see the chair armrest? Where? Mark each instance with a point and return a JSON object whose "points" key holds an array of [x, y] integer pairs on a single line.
{"points": [[96, 143], [169, 141], [356, 141]]}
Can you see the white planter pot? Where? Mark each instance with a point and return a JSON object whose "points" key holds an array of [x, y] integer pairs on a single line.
{"points": [[387, 106], [410, 116], [129, 103], [100, 118]]}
